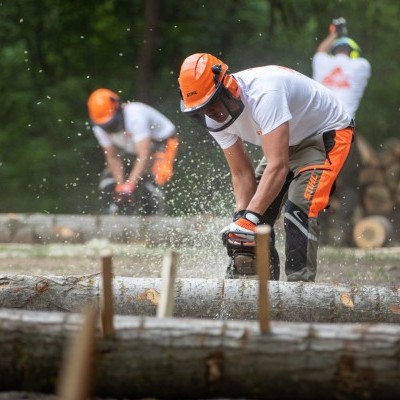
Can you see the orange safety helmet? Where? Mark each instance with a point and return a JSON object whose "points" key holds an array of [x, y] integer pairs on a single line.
{"points": [[103, 104], [204, 81]]}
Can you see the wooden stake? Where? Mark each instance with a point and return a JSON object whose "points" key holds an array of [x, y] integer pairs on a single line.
{"points": [[263, 233], [78, 370], [167, 298], [107, 309]]}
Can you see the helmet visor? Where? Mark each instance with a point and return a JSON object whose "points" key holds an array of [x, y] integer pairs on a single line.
{"points": [[115, 124], [219, 112]]}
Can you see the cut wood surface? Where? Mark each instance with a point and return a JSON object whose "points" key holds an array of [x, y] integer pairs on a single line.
{"points": [[187, 358], [372, 232], [206, 298]]}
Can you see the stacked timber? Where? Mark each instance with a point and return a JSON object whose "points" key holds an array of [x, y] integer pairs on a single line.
{"points": [[377, 215]]}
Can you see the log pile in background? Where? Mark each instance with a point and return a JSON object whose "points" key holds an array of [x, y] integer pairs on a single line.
{"points": [[377, 216]]}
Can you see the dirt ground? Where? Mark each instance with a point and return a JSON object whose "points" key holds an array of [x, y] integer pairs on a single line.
{"points": [[378, 267]]}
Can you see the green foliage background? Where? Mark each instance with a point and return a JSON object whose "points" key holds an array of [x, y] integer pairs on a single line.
{"points": [[54, 53]]}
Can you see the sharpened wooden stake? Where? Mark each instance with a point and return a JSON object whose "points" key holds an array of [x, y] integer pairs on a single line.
{"points": [[107, 309], [167, 298], [78, 369], [263, 233]]}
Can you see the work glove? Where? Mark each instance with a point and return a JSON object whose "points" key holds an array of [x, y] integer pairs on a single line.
{"points": [[243, 229], [124, 192], [225, 231]]}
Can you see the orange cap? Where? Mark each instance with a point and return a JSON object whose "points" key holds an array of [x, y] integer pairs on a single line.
{"points": [[102, 105], [196, 79]]}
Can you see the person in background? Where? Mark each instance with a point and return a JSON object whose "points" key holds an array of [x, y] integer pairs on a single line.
{"points": [[140, 145], [305, 134], [338, 65]]}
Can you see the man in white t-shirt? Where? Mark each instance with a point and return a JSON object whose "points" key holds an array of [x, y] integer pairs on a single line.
{"points": [[139, 145], [338, 65], [305, 135]]}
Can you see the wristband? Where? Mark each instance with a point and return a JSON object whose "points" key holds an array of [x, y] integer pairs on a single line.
{"points": [[252, 216], [238, 214]]}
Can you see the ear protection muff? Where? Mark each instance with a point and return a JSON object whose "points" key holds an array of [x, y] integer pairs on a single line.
{"points": [[354, 54]]}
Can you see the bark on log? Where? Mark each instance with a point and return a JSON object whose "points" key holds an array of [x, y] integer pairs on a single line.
{"points": [[186, 358], [60, 228], [369, 156], [372, 232], [206, 298], [371, 175]]}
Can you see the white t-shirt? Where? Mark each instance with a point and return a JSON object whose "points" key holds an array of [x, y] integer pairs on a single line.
{"points": [[141, 122], [346, 77], [273, 95]]}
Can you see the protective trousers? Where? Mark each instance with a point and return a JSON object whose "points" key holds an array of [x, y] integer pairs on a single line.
{"points": [[314, 166]]}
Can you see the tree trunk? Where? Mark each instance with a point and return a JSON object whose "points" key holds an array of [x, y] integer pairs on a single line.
{"points": [[187, 358], [206, 298], [146, 51]]}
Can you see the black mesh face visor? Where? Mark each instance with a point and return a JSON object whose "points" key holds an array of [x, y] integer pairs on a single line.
{"points": [[115, 124], [219, 112]]}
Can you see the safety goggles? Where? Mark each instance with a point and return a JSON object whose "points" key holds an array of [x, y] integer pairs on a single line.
{"points": [[218, 112], [115, 124]]}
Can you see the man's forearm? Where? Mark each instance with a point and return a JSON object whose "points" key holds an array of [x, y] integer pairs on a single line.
{"points": [[138, 170], [326, 44], [244, 190], [269, 187], [116, 167]]}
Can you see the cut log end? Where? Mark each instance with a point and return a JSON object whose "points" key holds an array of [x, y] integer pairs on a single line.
{"points": [[372, 232]]}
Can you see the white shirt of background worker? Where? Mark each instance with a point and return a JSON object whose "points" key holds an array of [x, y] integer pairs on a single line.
{"points": [[337, 64], [133, 129], [142, 124]]}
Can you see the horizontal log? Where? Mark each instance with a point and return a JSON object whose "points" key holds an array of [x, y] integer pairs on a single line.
{"points": [[188, 358], [69, 228], [369, 156], [377, 200], [206, 298]]}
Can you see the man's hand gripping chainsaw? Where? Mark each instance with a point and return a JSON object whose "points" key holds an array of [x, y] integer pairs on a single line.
{"points": [[239, 240]]}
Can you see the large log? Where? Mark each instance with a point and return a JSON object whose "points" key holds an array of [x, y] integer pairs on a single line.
{"points": [[187, 358], [69, 228], [206, 298], [378, 200]]}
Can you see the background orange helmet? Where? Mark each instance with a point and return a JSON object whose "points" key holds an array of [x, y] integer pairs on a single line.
{"points": [[103, 105]]}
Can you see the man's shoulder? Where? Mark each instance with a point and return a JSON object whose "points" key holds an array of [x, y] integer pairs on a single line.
{"points": [[322, 55]]}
